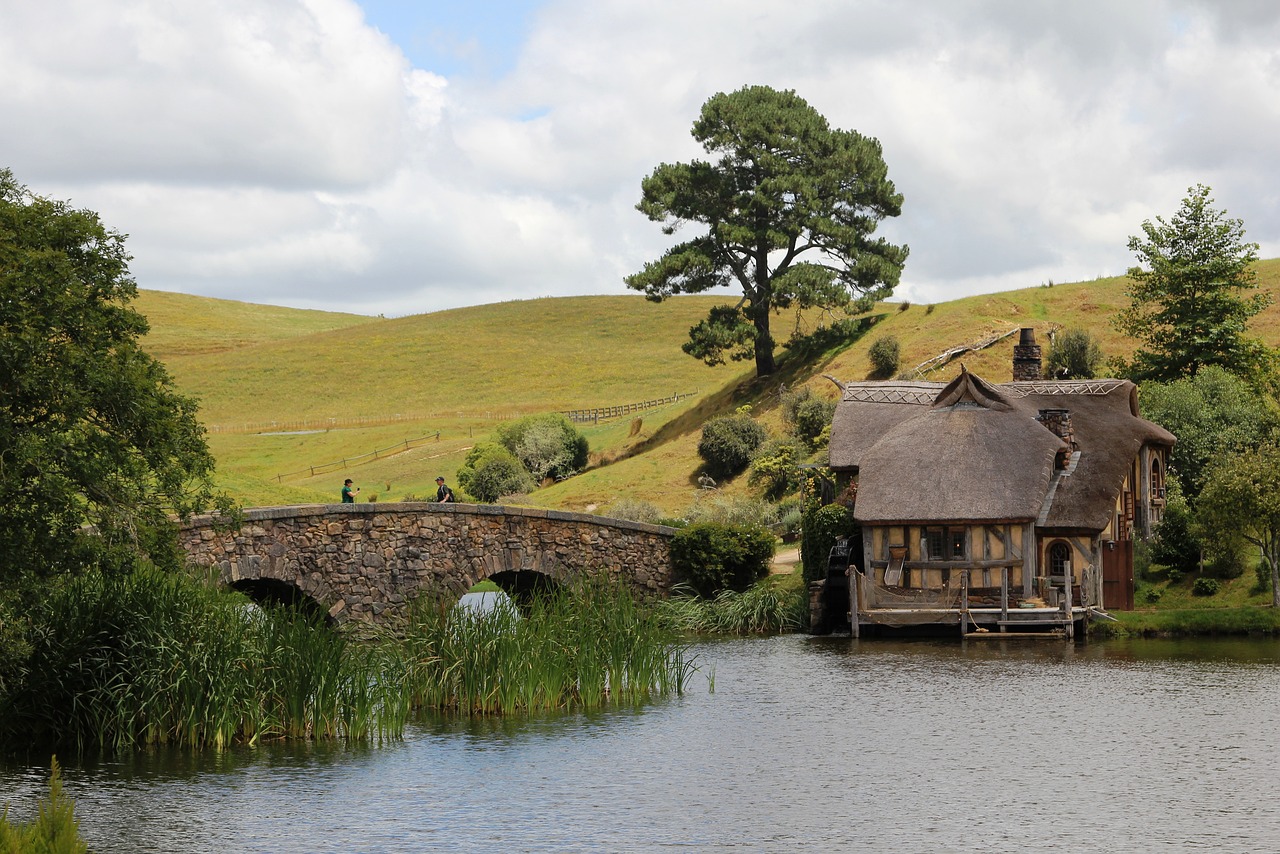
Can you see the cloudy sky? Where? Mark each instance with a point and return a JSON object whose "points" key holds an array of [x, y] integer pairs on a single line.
{"points": [[400, 157]]}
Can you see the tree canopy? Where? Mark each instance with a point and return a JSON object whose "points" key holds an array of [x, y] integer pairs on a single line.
{"points": [[1242, 495], [1189, 295], [789, 206], [92, 431]]}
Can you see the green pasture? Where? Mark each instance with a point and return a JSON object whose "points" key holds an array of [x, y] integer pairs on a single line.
{"points": [[340, 386]]}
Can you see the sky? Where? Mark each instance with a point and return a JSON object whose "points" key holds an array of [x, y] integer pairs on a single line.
{"points": [[395, 157]]}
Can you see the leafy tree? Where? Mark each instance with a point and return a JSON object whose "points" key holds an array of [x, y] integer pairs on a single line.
{"points": [[1190, 302], [547, 445], [1175, 544], [1075, 355], [1242, 495], [728, 442], [1214, 414], [92, 431], [712, 557], [491, 471], [785, 185]]}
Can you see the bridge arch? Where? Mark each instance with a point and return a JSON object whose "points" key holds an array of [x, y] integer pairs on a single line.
{"points": [[369, 561]]}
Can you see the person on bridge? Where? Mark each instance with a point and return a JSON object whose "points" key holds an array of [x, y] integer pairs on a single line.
{"points": [[443, 493], [349, 492]]}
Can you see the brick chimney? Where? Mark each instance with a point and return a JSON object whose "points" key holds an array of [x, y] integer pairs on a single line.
{"points": [[1026, 356], [1059, 423]]}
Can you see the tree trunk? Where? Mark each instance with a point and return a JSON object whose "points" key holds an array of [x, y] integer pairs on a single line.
{"points": [[1274, 560], [765, 364]]}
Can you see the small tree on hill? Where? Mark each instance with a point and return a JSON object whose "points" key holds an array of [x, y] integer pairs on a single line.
{"points": [[786, 186], [1190, 299], [728, 443], [1074, 356]]}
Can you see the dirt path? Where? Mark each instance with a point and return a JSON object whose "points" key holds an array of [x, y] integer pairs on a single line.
{"points": [[785, 560]]}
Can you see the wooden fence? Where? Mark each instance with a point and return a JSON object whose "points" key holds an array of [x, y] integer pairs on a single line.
{"points": [[603, 413], [376, 454]]}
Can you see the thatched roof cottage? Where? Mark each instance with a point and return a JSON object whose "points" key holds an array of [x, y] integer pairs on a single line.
{"points": [[996, 506]]}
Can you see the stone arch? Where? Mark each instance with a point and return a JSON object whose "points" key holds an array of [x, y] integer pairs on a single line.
{"points": [[275, 591], [524, 585]]}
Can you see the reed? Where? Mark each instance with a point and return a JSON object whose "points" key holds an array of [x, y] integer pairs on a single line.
{"points": [[763, 608], [586, 646], [154, 658]]}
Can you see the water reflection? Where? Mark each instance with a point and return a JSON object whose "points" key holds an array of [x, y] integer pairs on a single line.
{"points": [[806, 744]]}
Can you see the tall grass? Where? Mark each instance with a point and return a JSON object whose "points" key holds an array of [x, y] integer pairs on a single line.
{"points": [[154, 658], [763, 608], [582, 647]]}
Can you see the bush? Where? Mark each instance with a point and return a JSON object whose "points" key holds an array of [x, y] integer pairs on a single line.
{"points": [[884, 354], [776, 467], [809, 415], [1205, 587], [731, 510], [634, 510], [491, 471], [1175, 544], [55, 829], [728, 442], [1075, 355], [822, 527], [546, 445], [711, 557]]}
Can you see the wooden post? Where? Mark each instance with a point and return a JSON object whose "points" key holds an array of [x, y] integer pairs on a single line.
{"points": [[852, 572], [964, 601], [1066, 603], [1004, 598]]}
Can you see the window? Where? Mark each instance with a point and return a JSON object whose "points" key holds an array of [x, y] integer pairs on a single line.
{"points": [[1157, 481], [1060, 558], [945, 543]]}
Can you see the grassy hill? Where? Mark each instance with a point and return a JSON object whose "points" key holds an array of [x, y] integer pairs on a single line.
{"points": [[339, 386]]}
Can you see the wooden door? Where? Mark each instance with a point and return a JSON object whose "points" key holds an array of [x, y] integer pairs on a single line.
{"points": [[1117, 576]]}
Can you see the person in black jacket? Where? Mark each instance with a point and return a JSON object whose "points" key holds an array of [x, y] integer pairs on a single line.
{"points": [[443, 493]]}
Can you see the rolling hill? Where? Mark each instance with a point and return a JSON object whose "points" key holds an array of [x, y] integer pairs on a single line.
{"points": [[284, 391]]}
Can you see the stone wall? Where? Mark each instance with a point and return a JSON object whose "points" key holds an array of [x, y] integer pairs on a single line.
{"points": [[367, 561]]}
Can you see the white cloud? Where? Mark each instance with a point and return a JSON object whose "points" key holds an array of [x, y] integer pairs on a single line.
{"points": [[286, 152]]}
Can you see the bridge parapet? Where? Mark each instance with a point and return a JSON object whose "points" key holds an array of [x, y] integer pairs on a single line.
{"points": [[369, 561]]}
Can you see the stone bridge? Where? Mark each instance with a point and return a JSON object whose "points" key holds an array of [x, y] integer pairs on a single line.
{"points": [[368, 561]]}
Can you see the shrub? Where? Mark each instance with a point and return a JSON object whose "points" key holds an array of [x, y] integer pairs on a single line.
{"points": [[731, 510], [809, 415], [822, 527], [491, 471], [55, 829], [634, 510], [728, 442], [1175, 544], [776, 467], [884, 355], [546, 445], [711, 557], [1075, 355], [1205, 587]]}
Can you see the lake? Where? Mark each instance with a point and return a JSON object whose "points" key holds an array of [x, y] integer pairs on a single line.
{"points": [[805, 744]]}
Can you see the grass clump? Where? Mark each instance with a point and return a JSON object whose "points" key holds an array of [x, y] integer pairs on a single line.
{"points": [[53, 831], [766, 607], [582, 647]]}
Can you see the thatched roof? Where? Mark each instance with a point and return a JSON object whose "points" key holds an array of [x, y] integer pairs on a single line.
{"points": [[972, 451]]}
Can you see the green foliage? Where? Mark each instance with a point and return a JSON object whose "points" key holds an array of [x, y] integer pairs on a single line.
{"points": [[491, 471], [1189, 307], [1242, 496], [775, 467], [1075, 355], [724, 509], [1175, 543], [125, 660], [762, 608], [885, 356], [54, 830], [582, 647], [728, 443], [809, 415], [1205, 587], [548, 445], [635, 510], [1214, 415], [91, 428], [786, 186], [711, 557], [823, 525]]}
